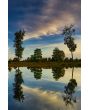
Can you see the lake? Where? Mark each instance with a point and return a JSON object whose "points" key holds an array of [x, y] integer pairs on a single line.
{"points": [[44, 89]]}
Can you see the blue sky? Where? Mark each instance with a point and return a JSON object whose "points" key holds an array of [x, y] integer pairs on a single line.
{"points": [[43, 21]]}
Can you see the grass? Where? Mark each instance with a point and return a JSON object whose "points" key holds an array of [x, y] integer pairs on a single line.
{"points": [[43, 64]]}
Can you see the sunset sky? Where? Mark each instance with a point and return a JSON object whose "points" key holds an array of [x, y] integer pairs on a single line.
{"points": [[43, 21]]}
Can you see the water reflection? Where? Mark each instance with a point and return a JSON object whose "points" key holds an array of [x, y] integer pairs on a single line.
{"points": [[58, 72], [70, 90], [17, 88], [52, 92], [37, 72], [10, 69]]}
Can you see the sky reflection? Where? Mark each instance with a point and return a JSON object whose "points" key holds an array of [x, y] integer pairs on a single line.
{"points": [[45, 93]]}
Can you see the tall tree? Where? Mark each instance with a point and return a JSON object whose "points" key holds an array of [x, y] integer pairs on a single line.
{"points": [[68, 31], [18, 44], [58, 55], [37, 54]]}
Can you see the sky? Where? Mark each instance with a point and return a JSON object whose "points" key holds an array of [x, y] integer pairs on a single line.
{"points": [[43, 22]]}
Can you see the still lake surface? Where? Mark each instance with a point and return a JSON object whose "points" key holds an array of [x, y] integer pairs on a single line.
{"points": [[44, 89]]}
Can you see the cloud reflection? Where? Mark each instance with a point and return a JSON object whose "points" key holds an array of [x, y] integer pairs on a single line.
{"points": [[46, 100]]}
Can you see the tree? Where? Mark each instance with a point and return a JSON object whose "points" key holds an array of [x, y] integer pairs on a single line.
{"points": [[18, 44], [28, 59], [44, 60], [37, 54], [66, 59], [68, 31], [58, 55], [32, 58], [49, 59], [15, 59], [10, 60]]}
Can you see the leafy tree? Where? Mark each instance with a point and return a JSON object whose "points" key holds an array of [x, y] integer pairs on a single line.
{"points": [[49, 59], [68, 31], [10, 60], [28, 59], [58, 55], [15, 59], [32, 58], [18, 44], [37, 54], [44, 59], [66, 59]]}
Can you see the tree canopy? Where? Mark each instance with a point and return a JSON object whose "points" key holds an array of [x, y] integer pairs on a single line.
{"points": [[37, 54], [58, 55], [18, 44], [68, 32]]}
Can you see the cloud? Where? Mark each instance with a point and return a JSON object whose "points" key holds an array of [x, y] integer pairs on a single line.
{"points": [[52, 27], [11, 53], [43, 21], [44, 17]]}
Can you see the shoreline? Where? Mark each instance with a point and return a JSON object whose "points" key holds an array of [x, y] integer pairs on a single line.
{"points": [[43, 64]]}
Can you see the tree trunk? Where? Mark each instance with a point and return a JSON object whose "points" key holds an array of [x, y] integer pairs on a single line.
{"points": [[72, 55], [18, 58]]}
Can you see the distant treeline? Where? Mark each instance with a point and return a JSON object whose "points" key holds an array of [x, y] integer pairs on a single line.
{"points": [[58, 59], [57, 56]]}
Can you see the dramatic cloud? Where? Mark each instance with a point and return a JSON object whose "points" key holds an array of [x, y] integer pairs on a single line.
{"points": [[43, 21], [43, 17]]}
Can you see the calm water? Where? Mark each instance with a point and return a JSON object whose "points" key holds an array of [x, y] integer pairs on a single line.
{"points": [[44, 89]]}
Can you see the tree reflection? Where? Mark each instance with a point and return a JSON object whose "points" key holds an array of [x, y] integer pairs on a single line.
{"points": [[10, 69], [28, 67], [70, 90], [17, 88], [37, 72], [58, 72]]}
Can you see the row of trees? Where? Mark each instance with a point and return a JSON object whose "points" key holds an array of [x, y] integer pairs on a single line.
{"points": [[68, 31], [58, 55]]}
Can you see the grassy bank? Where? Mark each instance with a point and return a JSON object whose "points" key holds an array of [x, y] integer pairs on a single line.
{"points": [[43, 64]]}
